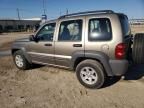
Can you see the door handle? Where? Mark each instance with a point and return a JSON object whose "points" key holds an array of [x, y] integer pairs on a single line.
{"points": [[47, 44], [77, 45]]}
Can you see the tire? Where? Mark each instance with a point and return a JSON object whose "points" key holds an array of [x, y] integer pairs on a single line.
{"points": [[22, 64], [95, 69], [138, 49]]}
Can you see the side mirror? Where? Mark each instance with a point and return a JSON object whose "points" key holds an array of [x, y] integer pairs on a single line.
{"points": [[31, 38]]}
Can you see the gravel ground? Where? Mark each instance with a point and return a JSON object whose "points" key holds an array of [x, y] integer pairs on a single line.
{"points": [[5, 53], [49, 87], [137, 29]]}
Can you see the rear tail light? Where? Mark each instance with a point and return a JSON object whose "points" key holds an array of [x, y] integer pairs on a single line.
{"points": [[120, 51]]}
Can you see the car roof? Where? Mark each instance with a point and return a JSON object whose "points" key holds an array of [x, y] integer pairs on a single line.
{"points": [[83, 14], [87, 13]]}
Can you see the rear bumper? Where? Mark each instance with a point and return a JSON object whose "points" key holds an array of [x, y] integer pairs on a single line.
{"points": [[119, 67]]}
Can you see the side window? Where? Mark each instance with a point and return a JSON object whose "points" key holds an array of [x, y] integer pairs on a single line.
{"points": [[46, 33], [99, 29], [70, 30]]}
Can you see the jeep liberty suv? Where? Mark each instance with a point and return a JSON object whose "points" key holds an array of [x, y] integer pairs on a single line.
{"points": [[94, 44]]}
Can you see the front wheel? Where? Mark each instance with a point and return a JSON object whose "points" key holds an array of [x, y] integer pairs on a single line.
{"points": [[20, 60], [90, 73]]}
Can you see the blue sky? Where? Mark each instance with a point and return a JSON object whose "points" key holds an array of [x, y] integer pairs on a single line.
{"points": [[33, 8]]}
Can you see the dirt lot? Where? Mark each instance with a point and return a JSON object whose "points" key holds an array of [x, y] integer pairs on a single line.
{"points": [[137, 29], [49, 87]]}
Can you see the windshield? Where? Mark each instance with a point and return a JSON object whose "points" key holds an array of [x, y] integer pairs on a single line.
{"points": [[125, 25]]}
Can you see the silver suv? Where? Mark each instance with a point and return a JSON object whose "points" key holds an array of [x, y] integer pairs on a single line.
{"points": [[94, 44]]}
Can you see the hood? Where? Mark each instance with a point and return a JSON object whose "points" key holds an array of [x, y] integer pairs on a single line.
{"points": [[23, 40]]}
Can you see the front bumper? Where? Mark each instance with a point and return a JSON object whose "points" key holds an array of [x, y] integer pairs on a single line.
{"points": [[119, 67]]}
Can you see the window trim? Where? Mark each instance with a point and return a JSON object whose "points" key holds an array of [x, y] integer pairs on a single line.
{"points": [[42, 28], [99, 39], [70, 40]]}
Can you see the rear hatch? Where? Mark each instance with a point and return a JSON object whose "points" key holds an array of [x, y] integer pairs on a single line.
{"points": [[126, 34]]}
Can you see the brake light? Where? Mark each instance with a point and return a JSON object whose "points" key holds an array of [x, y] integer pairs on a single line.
{"points": [[120, 51]]}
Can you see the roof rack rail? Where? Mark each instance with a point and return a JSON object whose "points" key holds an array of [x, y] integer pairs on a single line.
{"points": [[87, 12]]}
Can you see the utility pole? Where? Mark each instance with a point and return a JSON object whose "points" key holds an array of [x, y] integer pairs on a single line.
{"points": [[60, 13], [44, 10], [18, 14], [44, 16], [67, 11]]}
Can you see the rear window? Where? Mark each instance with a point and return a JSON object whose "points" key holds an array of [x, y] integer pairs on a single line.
{"points": [[99, 29], [125, 25]]}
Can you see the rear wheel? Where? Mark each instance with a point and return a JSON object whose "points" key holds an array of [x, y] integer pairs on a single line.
{"points": [[90, 73], [138, 49]]}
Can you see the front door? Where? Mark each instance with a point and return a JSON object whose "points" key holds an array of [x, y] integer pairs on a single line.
{"points": [[70, 39], [42, 50]]}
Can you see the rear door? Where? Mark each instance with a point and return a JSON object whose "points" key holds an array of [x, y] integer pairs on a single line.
{"points": [[70, 39]]}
